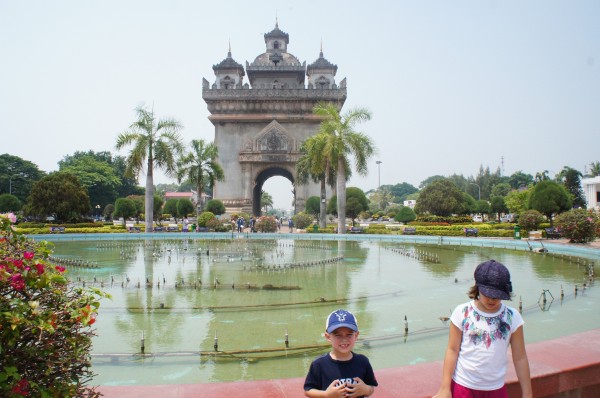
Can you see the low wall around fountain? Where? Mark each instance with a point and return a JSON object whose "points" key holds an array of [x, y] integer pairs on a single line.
{"points": [[566, 367]]}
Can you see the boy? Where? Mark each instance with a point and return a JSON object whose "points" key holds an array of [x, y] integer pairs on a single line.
{"points": [[340, 373]]}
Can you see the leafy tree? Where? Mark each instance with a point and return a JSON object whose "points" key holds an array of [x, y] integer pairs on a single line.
{"points": [[96, 173], [215, 206], [170, 208], [517, 201], [501, 189], [156, 143], [10, 203], [549, 198], [530, 220], [59, 194], [571, 179], [313, 206], [405, 215], [200, 167], [483, 207], [519, 179], [17, 176], [579, 225], [125, 208], [354, 192], [431, 179], [440, 198], [380, 199], [341, 142], [467, 206], [46, 333], [266, 201], [158, 204], [354, 208], [185, 207], [400, 191], [498, 206], [332, 205], [138, 200], [108, 211]]}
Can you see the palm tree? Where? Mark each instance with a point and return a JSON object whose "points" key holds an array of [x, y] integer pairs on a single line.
{"points": [[266, 201], [200, 167], [342, 141], [594, 169], [155, 142]]}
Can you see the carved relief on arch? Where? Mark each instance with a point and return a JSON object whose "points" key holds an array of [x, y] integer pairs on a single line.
{"points": [[274, 138]]}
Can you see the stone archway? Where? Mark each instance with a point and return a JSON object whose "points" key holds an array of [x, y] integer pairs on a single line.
{"points": [[260, 125], [260, 180]]}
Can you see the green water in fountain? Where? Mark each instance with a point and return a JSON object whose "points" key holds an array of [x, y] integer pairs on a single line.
{"points": [[269, 288]]}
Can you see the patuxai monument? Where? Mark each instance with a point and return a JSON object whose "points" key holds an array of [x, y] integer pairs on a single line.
{"points": [[261, 123]]}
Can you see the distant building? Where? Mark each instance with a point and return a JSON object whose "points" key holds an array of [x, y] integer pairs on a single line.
{"points": [[591, 189], [410, 203]]}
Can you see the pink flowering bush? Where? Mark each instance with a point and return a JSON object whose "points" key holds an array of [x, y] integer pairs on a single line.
{"points": [[45, 323], [578, 225], [266, 224]]}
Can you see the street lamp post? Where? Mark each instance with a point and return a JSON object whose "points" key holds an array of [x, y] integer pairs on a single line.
{"points": [[378, 173], [478, 190], [98, 211]]}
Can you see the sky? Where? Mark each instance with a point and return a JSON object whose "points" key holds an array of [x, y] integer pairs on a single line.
{"points": [[452, 85]]}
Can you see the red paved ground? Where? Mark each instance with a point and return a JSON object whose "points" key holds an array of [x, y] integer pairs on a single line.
{"points": [[566, 363]]}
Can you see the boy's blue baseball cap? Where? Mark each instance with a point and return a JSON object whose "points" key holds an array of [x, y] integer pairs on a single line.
{"points": [[341, 319]]}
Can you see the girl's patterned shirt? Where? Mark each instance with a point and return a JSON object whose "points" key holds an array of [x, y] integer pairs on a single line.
{"points": [[482, 358]]}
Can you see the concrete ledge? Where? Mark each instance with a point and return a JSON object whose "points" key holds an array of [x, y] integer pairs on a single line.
{"points": [[567, 367]]}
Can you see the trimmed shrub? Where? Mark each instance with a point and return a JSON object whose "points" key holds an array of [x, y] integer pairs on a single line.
{"points": [[530, 220], [302, 220], [204, 217]]}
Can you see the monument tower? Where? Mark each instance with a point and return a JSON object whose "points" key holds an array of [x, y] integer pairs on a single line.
{"points": [[261, 124]]}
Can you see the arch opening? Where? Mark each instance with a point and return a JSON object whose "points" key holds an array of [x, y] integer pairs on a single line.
{"points": [[259, 183]]}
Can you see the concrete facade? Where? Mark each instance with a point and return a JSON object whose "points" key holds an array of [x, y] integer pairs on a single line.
{"points": [[260, 125], [591, 190]]}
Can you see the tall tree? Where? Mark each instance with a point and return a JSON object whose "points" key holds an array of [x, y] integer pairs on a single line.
{"points": [[549, 198], [58, 194], [440, 198], [200, 167], [519, 179], [343, 141], [96, 173], [571, 179], [18, 175], [155, 142]]}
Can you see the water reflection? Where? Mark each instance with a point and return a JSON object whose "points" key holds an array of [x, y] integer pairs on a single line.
{"points": [[251, 293]]}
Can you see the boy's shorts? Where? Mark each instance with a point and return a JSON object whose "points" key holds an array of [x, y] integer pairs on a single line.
{"points": [[459, 391]]}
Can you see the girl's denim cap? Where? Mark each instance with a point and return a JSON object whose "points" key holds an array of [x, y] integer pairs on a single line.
{"points": [[493, 280]]}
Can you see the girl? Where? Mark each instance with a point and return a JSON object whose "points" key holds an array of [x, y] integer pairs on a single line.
{"points": [[480, 332]]}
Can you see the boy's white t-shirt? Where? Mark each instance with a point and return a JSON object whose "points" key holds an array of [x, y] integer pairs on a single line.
{"points": [[482, 358]]}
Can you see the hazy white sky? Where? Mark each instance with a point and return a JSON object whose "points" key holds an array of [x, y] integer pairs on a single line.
{"points": [[452, 85]]}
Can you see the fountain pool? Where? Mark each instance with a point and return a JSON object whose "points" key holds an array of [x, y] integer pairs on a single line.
{"points": [[184, 294]]}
